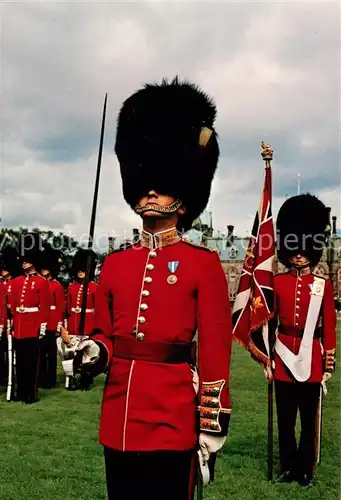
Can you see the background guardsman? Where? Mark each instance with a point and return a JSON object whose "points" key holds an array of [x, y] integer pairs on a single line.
{"points": [[30, 306], [306, 333], [3, 334], [50, 267], [74, 301], [9, 269], [154, 296]]}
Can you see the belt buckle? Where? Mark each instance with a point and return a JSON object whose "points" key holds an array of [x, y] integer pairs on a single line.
{"points": [[22, 309], [77, 309]]}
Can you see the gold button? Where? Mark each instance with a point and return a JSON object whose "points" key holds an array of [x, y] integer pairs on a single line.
{"points": [[297, 314], [141, 319], [143, 307], [299, 285], [150, 267], [140, 336], [297, 307], [298, 299], [299, 293], [152, 254], [145, 293], [148, 279]]}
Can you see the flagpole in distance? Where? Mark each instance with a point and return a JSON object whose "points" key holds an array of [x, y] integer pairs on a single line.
{"points": [[267, 155]]}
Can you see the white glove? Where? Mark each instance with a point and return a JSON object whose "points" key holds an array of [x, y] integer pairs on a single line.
{"points": [[59, 326], [326, 376], [268, 374], [195, 379], [42, 329], [204, 469], [1, 329], [65, 324], [210, 444], [90, 350]]}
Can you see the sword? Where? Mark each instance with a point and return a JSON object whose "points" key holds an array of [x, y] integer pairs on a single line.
{"points": [[92, 224]]}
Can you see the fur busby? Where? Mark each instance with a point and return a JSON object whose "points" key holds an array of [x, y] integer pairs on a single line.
{"points": [[79, 263], [51, 260], [302, 222], [166, 142], [30, 248], [9, 261]]}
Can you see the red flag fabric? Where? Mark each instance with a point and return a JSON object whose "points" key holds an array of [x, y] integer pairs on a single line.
{"points": [[253, 307]]}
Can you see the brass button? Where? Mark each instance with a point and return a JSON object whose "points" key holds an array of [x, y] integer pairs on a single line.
{"points": [[152, 254], [297, 314], [141, 319], [298, 299], [297, 307], [150, 267], [145, 293], [148, 279], [143, 307], [299, 285], [140, 336], [299, 293]]}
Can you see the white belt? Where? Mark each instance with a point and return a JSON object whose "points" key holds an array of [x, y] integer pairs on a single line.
{"points": [[23, 309], [79, 309], [52, 308]]}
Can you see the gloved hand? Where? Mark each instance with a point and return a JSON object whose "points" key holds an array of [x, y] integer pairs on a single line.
{"points": [[90, 352], [59, 326], [1, 329], [195, 379], [268, 374], [326, 376], [210, 444], [87, 354], [42, 330]]}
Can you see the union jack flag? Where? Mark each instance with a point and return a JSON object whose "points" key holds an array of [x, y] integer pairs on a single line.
{"points": [[253, 307]]}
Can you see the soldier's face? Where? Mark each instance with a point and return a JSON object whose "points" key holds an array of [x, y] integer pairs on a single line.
{"points": [[4, 273], [45, 273], [299, 260], [26, 265], [81, 274], [155, 200]]}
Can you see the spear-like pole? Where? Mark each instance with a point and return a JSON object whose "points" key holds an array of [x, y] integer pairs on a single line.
{"points": [[92, 225]]}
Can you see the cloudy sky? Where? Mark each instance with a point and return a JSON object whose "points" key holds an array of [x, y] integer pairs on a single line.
{"points": [[273, 70]]}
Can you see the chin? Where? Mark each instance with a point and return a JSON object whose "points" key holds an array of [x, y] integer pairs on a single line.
{"points": [[153, 214]]}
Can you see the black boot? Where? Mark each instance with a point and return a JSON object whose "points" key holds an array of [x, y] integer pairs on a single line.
{"points": [[305, 480], [286, 477]]}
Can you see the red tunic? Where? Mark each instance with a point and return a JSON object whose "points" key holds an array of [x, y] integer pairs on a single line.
{"points": [[3, 314], [292, 297], [149, 405], [57, 308], [74, 301], [31, 292]]}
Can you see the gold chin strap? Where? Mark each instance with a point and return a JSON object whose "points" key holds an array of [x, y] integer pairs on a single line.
{"points": [[168, 209]]}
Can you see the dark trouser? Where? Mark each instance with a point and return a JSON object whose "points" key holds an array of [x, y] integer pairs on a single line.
{"points": [[290, 398], [3, 359], [48, 360], [27, 367], [157, 475]]}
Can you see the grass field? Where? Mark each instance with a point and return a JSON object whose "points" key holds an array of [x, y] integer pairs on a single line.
{"points": [[50, 450]]}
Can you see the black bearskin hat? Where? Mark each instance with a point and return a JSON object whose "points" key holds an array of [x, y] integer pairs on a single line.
{"points": [[30, 248], [79, 263], [9, 261], [302, 222], [51, 260], [166, 142]]}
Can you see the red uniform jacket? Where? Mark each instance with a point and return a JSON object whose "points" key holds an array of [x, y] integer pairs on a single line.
{"points": [[150, 405], [30, 304], [292, 297], [57, 307], [74, 301], [3, 314]]}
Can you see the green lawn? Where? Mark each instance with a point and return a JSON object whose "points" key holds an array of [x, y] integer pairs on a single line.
{"points": [[50, 450]]}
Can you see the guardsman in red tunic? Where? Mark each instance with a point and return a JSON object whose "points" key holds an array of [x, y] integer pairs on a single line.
{"points": [[304, 351], [3, 321], [49, 268], [159, 412], [9, 269], [74, 301], [30, 306]]}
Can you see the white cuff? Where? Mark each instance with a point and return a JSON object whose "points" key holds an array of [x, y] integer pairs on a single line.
{"points": [[59, 326], [42, 329]]}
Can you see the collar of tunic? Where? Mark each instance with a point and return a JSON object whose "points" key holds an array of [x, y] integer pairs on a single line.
{"points": [[160, 239]]}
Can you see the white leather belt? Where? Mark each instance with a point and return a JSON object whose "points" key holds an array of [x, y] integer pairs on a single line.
{"points": [[77, 310], [23, 309], [52, 308]]}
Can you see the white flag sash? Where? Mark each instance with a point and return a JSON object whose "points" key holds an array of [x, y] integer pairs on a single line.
{"points": [[300, 364]]}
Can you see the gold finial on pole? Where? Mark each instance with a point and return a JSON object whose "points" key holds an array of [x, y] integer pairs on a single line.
{"points": [[267, 153]]}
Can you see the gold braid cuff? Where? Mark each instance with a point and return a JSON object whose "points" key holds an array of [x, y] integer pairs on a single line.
{"points": [[330, 358], [213, 418]]}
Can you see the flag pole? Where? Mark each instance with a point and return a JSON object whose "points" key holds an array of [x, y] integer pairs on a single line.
{"points": [[267, 155]]}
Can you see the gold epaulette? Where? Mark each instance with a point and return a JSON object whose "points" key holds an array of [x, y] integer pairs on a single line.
{"points": [[199, 245]]}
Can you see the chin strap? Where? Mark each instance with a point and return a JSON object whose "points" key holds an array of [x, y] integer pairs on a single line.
{"points": [[168, 209]]}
